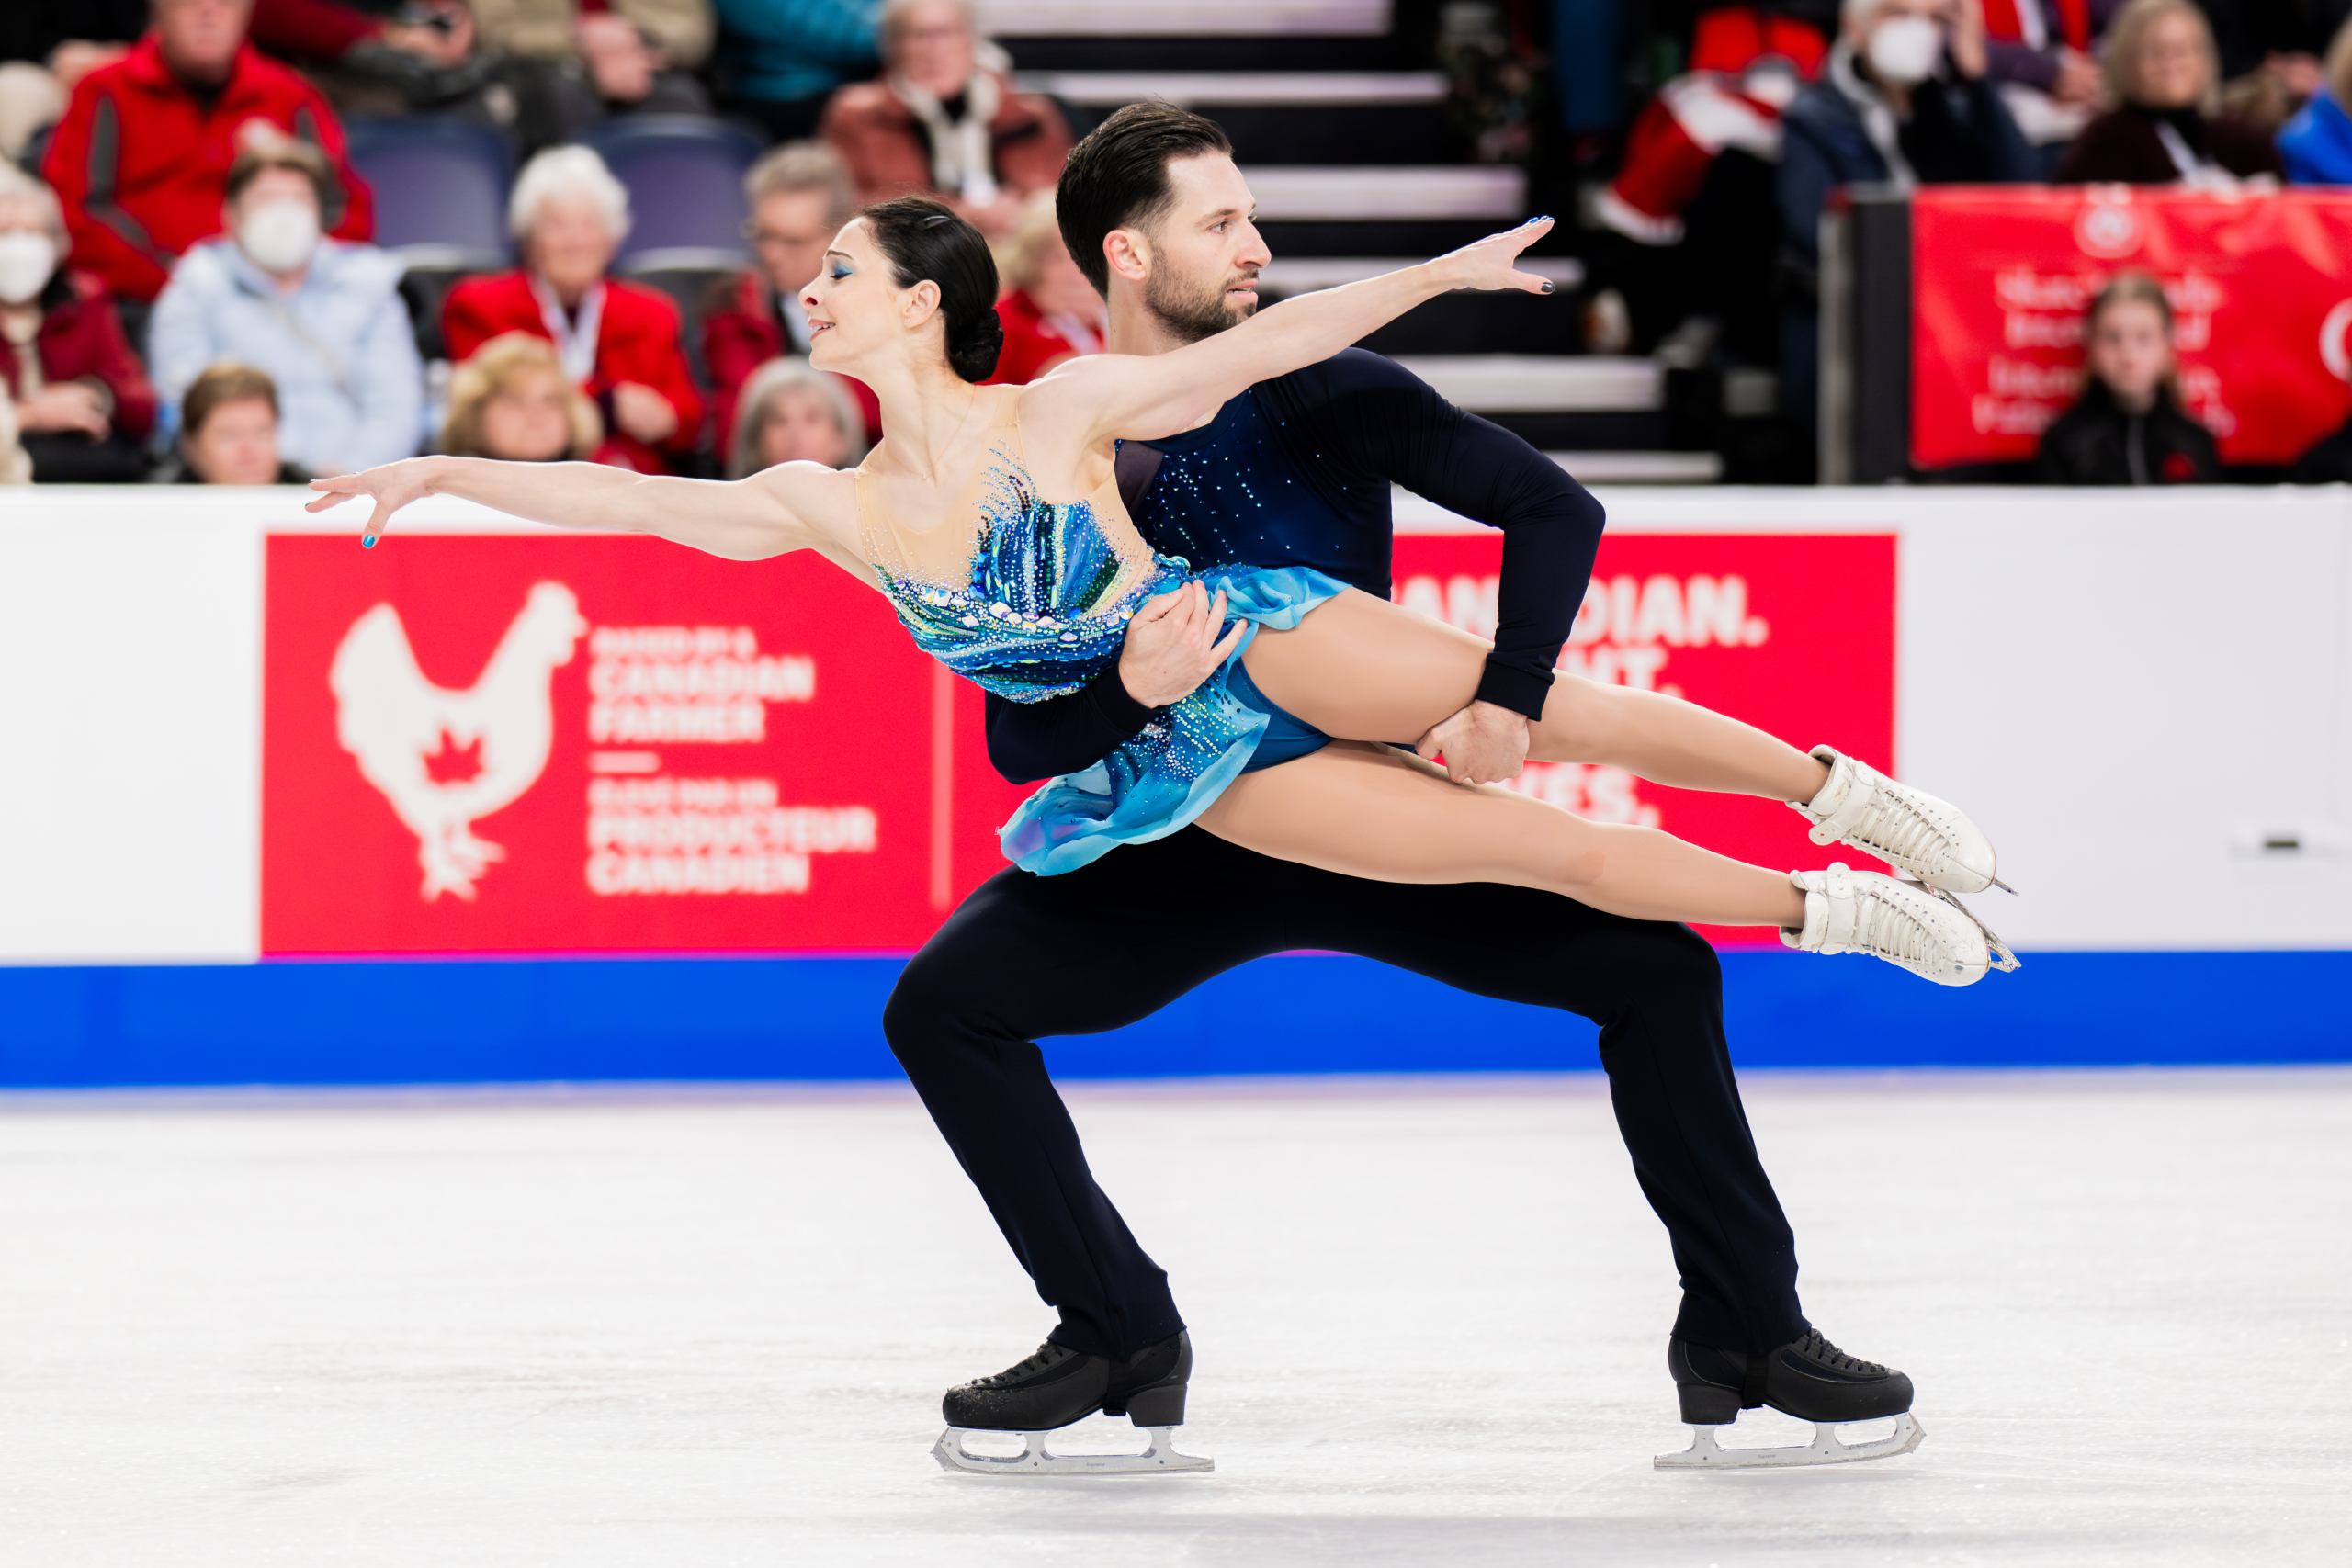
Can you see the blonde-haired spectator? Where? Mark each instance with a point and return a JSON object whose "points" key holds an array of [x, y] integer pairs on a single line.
{"points": [[792, 413], [944, 121], [2165, 76], [229, 431], [798, 196], [513, 400], [618, 341], [1050, 313]]}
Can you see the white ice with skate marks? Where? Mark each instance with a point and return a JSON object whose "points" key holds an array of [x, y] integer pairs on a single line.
{"points": [[1430, 1320], [1624, 636]]}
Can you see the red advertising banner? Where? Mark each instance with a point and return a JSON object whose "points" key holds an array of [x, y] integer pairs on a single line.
{"points": [[553, 743], [2001, 278], [1736, 622]]}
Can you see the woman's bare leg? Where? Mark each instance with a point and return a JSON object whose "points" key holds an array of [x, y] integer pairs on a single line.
{"points": [[1362, 668], [1370, 811]]}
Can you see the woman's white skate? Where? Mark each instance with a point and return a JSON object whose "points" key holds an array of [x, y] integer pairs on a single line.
{"points": [[1926, 839], [1924, 929]]}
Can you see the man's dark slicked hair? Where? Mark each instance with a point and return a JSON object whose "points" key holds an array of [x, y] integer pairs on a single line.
{"points": [[1118, 177]]}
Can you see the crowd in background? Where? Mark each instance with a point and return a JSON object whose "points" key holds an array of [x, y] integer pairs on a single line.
{"points": [[187, 290], [187, 287]]}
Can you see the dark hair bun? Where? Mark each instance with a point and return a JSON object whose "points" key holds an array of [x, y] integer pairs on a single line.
{"points": [[973, 354], [923, 239]]}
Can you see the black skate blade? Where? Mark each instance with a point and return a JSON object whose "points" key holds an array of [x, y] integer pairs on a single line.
{"points": [[1827, 1448], [1035, 1458]]}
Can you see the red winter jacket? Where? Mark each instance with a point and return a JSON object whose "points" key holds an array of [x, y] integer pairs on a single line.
{"points": [[636, 340], [739, 334], [81, 340], [141, 165]]}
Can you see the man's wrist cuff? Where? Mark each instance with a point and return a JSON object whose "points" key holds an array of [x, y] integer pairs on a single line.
{"points": [[1522, 690], [1111, 700]]}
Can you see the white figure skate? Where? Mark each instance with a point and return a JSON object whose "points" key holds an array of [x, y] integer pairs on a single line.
{"points": [[1920, 929], [1920, 836]]}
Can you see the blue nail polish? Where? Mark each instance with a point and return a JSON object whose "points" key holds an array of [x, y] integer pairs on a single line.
{"points": [[367, 541], [1549, 286]]}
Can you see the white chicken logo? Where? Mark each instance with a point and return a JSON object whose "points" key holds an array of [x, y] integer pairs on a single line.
{"points": [[446, 759]]}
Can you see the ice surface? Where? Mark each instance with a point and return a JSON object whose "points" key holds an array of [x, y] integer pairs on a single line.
{"points": [[712, 1328]]}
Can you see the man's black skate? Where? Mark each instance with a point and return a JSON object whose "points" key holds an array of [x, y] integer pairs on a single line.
{"points": [[1058, 1387], [1808, 1377]]}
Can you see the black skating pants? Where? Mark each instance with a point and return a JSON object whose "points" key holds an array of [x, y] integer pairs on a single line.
{"points": [[1098, 948]]}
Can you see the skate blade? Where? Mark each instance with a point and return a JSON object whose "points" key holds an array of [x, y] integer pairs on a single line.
{"points": [[1704, 1453], [1160, 1459], [1999, 955]]}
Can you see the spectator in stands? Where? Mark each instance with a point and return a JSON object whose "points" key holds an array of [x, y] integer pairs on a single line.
{"points": [[323, 319], [618, 341], [373, 58], [945, 122], [79, 398], [2129, 427], [2316, 145], [786, 58], [799, 196], [603, 57], [2043, 53], [142, 158], [793, 413], [229, 432], [1903, 100], [513, 400], [15, 467], [1050, 313], [2165, 129], [46, 46]]}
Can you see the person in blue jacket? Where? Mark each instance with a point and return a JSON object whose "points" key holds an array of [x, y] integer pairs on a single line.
{"points": [[2317, 143], [1903, 101]]}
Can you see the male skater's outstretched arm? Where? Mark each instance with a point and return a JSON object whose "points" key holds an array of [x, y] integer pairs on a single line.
{"points": [[1297, 471]]}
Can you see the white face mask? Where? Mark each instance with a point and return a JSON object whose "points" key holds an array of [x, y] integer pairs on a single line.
{"points": [[27, 260], [1906, 50], [279, 235]]}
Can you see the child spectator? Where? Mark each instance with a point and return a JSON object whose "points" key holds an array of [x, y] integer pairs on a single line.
{"points": [[323, 320], [945, 122], [513, 400], [616, 341], [2166, 128], [792, 413], [229, 432], [1050, 313], [142, 158], [799, 198], [2128, 428], [79, 397], [2316, 145], [787, 56]]}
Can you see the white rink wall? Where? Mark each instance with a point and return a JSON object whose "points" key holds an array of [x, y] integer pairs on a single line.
{"points": [[2133, 693]]}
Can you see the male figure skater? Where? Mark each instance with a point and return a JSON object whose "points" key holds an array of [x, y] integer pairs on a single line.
{"points": [[1296, 472]]}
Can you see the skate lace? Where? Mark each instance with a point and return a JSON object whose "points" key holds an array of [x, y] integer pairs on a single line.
{"points": [[1042, 1355], [1898, 832], [1812, 1346], [1883, 927]]}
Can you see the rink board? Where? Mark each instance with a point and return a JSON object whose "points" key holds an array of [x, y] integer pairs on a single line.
{"points": [[2141, 697], [513, 1020]]}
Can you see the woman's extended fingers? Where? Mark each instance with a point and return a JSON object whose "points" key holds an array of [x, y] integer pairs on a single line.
{"points": [[337, 490], [1492, 258]]}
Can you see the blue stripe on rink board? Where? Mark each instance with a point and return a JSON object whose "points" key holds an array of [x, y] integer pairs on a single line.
{"points": [[508, 1020]]}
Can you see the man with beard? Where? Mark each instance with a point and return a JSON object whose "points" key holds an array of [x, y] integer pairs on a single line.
{"points": [[1297, 472]]}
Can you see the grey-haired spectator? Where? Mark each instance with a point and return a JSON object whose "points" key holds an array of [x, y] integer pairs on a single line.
{"points": [[793, 413], [80, 398]]}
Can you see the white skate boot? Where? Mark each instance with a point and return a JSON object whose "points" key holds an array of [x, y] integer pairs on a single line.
{"points": [[1923, 931], [1914, 832]]}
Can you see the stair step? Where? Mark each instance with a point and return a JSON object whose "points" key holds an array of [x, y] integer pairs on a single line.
{"points": [[1297, 192], [1213, 89], [1539, 384], [1184, 18], [1419, 514]]}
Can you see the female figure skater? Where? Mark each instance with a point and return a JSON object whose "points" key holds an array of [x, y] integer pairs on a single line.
{"points": [[990, 518]]}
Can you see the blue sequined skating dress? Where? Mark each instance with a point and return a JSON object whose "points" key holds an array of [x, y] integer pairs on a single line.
{"points": [[1030, 599]]}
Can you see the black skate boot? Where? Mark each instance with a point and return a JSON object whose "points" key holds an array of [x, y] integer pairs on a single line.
{"points": [[1058, 1387], [1808, 1377]]}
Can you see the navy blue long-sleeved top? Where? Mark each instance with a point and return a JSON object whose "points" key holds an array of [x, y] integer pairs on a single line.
{"points": [[1296, 472]]}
